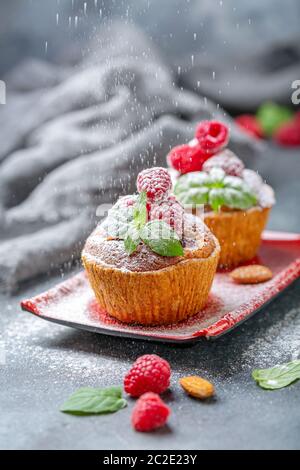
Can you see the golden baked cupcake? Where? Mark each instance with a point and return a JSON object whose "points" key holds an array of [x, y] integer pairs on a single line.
{"points": [[236, 201], [149, 262]]}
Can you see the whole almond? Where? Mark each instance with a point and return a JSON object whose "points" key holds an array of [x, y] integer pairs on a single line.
{"points": [[197, 387], [252, 274]]}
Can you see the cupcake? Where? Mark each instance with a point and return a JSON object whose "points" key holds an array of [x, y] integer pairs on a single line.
{"points": [[141, 259], [236, 201]]}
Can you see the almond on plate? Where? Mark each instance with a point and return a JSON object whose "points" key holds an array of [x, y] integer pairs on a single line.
{"points": [[252, 274]]}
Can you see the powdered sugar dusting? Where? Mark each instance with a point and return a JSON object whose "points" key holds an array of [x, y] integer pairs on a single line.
{"points": [[279, 341], [41, 344]]}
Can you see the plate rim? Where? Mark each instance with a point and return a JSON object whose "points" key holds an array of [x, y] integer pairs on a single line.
{"points": [[224, 325]]}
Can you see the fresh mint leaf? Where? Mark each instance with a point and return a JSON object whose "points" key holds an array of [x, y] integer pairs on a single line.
{"points": [[278, 376], [130, 224], [216, 198], [216, 189], [130, 245], [87, 401], [195, 196], [119, 219], [123, 221], [234, 182], [216, 177], [165, 247], [132, 240], [234, 198], [161, 239], [140, 211]]}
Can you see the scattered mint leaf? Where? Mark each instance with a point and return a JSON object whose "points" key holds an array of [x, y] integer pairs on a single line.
{"points": [[279, 376], [216, 189], [271, 116], [161, 238], [87, 401]]}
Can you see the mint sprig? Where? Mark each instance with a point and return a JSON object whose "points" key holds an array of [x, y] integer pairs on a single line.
{"points": [[130, 224], [215, 189], [132, 239], [161, 238], [278, 376], [119, 219], [87, 401], [140, 211]]}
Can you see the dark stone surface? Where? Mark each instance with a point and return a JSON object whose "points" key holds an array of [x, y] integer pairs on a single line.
{"points": [[42, 363]]}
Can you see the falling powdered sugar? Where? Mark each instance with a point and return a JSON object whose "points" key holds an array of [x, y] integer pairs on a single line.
{"points": [[279, 341]]}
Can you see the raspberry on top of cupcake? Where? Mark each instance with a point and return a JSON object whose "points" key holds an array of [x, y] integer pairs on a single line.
{"points": [[210, 174], [155, 218], [154, 209], [236, 200]]}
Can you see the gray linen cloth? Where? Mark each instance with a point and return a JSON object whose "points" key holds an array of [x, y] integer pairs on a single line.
{"points": [[73, 138]]}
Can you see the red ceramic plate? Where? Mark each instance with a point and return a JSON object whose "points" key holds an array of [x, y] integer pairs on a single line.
{"points": [[72, 302]]}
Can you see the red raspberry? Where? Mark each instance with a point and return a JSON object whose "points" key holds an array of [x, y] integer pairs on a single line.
{"points": [[170, 211], [250, 125], [297, 117], [149, 373], [288, 134], [212, 136], [186, 158], [156, 182], [226, 160], [149, 413], [127, 201]]}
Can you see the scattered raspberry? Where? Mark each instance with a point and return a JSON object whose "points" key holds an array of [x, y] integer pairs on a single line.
{"points": [[252, 274], [149, 373], [156, 182], [297, 117], [289, 134], [226, 160], [212, 136], [149, 413], [186, 158], [170, 211], [250, 125]]}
